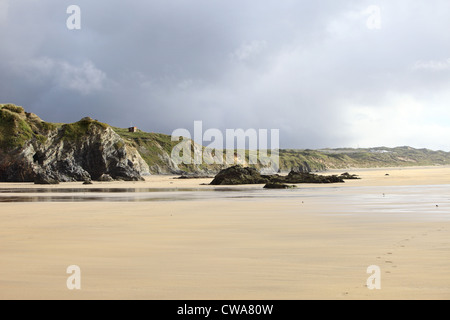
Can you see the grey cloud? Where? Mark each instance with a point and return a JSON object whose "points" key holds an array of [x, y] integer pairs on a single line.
{"points": [[312, 69]]}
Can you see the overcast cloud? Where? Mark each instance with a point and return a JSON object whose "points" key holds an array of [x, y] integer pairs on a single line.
{"points": [[326, 73]]}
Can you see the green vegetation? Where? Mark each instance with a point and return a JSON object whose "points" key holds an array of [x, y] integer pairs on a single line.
{"points": [[119, 145], [294, 158], [47, 126], [17, 127], [384, 157], [13, 108], [77, 130], [151, 146], [14, 130], [156, 147], [42, 139]]}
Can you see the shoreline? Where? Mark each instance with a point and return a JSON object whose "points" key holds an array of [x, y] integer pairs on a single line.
{"points": [[370, 177]]}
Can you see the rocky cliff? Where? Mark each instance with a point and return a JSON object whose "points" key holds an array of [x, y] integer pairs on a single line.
{"points": [[34, 150]]}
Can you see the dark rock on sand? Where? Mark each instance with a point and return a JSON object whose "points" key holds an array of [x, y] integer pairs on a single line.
{"points": [[105, 178], [278, 185], [348, 176], [44, 179], [194, 176], [294, 177], [239, 175]]}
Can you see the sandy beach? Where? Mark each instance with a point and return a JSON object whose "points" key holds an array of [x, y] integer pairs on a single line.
{"points": [[315, 242]]}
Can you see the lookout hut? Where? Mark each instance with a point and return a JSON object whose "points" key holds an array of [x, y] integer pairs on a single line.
{"points": [[132, 129]]}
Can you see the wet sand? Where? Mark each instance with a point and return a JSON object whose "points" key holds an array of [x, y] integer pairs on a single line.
{"points": [[315, 243]]}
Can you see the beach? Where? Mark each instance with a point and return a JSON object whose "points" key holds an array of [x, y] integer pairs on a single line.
{"points": [[186, 240]]}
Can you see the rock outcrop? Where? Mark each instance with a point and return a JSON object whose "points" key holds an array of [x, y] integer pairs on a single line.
{"points": [[43, 179], [278, 185], [239, 175], [302, 168], [348, 176], [295, 177], [33, 150]]}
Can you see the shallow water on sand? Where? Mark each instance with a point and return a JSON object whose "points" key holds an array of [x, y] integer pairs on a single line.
{"points": [[431, 199], [123, 194]]}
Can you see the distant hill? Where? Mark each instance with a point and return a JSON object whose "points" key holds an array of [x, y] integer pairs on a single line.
{"points": [[32, 149], [362, 158]]}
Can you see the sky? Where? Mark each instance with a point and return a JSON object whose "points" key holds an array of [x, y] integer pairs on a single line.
{"points": [[325, 73]]}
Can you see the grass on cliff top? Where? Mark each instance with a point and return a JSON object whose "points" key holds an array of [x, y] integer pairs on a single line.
{"points": [[75, 131], [12, 107], [17, 127], [150, 145], [14, 130]]}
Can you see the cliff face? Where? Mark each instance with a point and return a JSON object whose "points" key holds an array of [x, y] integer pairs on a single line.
{"points": [[31, 149], [156, 150]]}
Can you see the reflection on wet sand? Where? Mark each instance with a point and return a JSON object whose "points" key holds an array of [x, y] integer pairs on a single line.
{"points": [[381, 199]]}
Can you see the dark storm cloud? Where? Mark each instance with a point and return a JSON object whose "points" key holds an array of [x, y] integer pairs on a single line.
{"points": [[315, 70]]}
